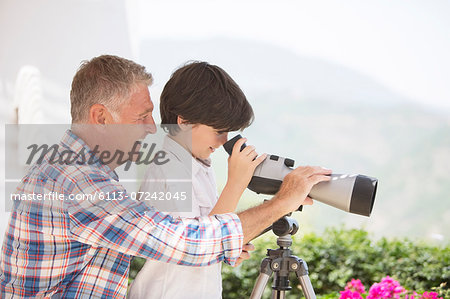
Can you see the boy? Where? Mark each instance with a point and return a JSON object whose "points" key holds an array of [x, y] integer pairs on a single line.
{"points": [[200, 103]]}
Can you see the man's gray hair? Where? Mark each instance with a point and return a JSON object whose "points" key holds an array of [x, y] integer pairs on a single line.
{"points": [[108, 80]]}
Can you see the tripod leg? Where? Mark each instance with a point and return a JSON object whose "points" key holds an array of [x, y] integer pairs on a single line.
{"points": [[307, 288], [278, 294], [261, 281], [260, 285], [305, 282]]}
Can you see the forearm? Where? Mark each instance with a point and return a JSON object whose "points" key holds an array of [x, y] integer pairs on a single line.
{"points": [[196, 241], [141, 231], [228, 199], [258, 218]]}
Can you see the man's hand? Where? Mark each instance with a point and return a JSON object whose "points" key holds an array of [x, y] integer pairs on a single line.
{"points": [[298, 183], [292, 194], [245, 255]]}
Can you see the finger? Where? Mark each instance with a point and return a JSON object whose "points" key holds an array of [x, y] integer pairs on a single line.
{"points": [[248, 247], [248, 149], [237, 146], [244, 255], [260, 159], [325, 171], [321, 170], [252, 155], [320, 178], [308, 201], [238, 262], [304, 170], [312, 170]]}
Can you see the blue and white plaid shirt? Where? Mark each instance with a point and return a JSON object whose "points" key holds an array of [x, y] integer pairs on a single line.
{"points": [[83, 248]]}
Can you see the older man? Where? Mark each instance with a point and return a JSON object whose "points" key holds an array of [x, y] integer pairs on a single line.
{"points": [[82, 249]]}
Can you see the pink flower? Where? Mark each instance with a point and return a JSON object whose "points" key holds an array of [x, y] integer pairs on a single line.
{"points": [[412, 296], [348, 294], [430, 295], [387, 288], [375, 291], [356, 286]]}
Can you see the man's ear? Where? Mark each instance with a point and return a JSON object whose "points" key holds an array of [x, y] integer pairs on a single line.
{"points": [[99, 115], [183, 124]]}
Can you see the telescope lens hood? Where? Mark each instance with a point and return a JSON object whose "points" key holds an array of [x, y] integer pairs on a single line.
{"points": [[363, 195]]}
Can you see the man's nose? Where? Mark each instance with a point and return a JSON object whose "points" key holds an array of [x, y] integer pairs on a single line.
{"points": [[150, 126]]}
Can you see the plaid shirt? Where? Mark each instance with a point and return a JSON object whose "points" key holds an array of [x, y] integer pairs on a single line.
{"points": [[82, 249]]}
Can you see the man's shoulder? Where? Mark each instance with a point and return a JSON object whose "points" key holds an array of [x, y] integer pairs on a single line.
{"points": [[69, 177]]}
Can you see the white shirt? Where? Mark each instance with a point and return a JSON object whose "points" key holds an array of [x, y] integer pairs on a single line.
{"points": [[182, 173]]}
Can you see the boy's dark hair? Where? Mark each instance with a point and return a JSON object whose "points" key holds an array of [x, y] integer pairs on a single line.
{"points": [[202, 93]]}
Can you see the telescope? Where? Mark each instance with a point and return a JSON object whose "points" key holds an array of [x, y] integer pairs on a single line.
{"points": [[353, 193]]}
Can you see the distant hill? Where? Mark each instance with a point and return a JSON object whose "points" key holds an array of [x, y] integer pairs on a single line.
{"points": [[264, 67], [321, 113]]}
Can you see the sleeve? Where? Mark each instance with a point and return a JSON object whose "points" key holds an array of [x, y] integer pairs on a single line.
{"points": [[133, 227]]}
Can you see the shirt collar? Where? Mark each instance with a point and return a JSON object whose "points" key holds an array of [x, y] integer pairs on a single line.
{"points": [[184, 156], [75, 144]]}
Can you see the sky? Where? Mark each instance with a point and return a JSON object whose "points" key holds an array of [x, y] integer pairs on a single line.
{"points": [[402, 44]]}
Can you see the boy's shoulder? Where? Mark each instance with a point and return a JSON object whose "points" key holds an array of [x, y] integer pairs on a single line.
{"points": [[177, 166]]}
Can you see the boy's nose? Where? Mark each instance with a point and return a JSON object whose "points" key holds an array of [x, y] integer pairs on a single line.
{"points": [[223, 138]]}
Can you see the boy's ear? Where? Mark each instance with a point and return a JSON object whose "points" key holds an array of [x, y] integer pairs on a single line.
{"points": [[183, 124]]}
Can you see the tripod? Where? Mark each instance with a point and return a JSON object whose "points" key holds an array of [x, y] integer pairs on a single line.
{"points": [[281, 263]]}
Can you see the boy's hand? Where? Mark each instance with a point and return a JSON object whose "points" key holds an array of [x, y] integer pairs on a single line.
{"points": [[242, 164], [245, 255]]}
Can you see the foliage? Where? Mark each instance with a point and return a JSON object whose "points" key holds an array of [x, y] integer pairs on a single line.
{"points": [[339, 255], [136, 265]]}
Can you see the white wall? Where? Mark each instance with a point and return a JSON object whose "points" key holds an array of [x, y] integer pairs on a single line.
{"points": [[45, 41]]}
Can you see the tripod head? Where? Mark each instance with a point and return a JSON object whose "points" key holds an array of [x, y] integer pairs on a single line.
{"points": [[286, 225], [281, 262], [285, 228]]}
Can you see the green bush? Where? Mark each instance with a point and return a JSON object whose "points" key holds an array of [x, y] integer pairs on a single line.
{"points": [[337, 256]]}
